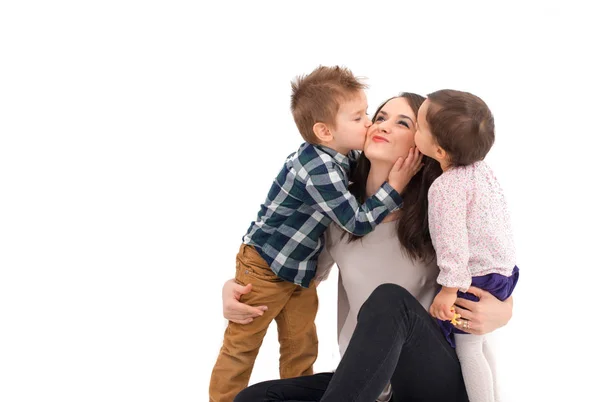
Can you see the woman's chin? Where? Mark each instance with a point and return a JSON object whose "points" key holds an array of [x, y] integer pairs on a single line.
{"points": [[378, 154], [378, 158]]}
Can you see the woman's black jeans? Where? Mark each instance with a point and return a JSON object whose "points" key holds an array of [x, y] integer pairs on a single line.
{"points": [[395, 341]]}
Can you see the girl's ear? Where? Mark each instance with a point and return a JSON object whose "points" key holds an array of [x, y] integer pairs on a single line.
{"points": [[440, 153]]}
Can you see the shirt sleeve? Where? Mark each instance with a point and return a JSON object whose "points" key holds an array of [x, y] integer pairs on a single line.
{"points": [[448, 228], [328, 193]]}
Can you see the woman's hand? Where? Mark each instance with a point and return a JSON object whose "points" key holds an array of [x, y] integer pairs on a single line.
{"points": [[484, 316], [233, 309]]}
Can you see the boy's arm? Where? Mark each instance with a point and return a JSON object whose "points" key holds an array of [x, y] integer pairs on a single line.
{"points": [[327, 192], [448, 228]]}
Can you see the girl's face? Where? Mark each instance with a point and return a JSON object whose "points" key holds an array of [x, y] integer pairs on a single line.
{"points": [[392, 133], [423, 138]]}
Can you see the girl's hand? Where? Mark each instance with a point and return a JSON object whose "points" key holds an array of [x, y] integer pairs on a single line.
{"points": [[233, 309], [441, 308], [484, 316]]}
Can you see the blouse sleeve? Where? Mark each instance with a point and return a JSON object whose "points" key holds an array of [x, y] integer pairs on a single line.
{"points": [[448, 198], [325, 261]]}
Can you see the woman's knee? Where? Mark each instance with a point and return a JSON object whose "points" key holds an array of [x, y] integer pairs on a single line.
{"points": [[390, 298], [254, 393], [241, 397], [389, 293]]}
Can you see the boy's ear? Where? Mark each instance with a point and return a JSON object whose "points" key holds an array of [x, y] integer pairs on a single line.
{"points": [[322, 132]]}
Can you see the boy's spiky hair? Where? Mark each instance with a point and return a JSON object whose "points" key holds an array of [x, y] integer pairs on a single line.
{"points": [[316, 97]]}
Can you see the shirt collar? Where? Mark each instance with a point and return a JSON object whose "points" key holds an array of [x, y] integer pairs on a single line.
{"points": [[341, 159]]}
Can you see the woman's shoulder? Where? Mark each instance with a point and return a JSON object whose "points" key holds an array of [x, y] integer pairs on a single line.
{"points": [[333, 235]]}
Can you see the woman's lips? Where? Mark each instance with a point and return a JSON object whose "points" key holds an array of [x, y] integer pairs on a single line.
{"points": [[377, 138]]}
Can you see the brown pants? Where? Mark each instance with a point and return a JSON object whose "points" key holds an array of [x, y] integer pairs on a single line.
{"points": [[293, 307]]}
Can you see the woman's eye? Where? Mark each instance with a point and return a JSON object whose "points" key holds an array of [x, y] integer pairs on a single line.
{"points": [[379, 118], [403, 123]]}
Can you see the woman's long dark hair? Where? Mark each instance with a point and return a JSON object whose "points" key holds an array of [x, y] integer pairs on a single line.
{"points": [[412, 226]]}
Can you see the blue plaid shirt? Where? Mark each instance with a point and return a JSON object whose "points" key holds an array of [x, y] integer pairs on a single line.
{"points": [[309, 193]]}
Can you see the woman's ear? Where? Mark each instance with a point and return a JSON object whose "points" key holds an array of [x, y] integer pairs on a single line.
{"points": [[322, 132]]}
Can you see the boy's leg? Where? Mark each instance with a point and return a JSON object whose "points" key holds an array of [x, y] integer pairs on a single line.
{"points": [[241, 343], [298, 341], [475, 368]]}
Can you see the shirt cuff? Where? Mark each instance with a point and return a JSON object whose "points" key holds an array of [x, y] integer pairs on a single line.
{"points": [[463, 286], [389, 197]]}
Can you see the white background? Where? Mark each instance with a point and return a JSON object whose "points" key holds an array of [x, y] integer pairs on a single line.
{"points": [[138, 140]]}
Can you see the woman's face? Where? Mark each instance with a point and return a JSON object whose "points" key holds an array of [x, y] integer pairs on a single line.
{"points": [[392, 133]]}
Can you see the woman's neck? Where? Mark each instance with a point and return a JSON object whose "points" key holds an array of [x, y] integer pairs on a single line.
{"points": [[378, 174]]}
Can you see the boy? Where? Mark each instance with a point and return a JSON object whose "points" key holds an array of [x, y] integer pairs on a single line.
{"points": [[279, 252]]}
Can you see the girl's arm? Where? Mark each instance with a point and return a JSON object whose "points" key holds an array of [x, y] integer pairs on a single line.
{"points": [[447, 212]]}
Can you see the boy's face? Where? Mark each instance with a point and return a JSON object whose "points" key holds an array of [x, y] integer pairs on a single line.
{"points": [[351, 124], [423, 138]]}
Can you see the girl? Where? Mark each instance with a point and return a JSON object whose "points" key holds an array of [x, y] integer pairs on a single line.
{"points": [[469, 224]]}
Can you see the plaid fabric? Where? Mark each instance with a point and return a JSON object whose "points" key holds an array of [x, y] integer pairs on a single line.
{"points": [[309, 193]]}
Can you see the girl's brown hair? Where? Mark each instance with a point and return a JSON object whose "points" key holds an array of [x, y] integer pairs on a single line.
{"points": [[462, 124], [413, 225]]}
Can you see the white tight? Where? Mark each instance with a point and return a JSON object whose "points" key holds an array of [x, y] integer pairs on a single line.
{"points": [[478, 367]]}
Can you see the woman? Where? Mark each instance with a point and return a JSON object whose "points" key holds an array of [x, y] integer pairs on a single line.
{"points": [[387, 283]]}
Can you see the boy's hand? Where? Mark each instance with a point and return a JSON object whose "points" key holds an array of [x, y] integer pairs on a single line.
{"points": [[405, 169], [441, 308]]}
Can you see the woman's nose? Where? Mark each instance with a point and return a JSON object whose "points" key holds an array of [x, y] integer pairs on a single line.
{"points": [[384, 128]]}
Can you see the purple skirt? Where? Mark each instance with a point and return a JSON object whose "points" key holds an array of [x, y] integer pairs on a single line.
{"points": [[499, 285]]}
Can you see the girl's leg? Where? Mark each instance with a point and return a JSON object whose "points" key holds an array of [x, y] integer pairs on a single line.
{"points": [[475, 367], [488, 352], [299, 389], [396, 339]]}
